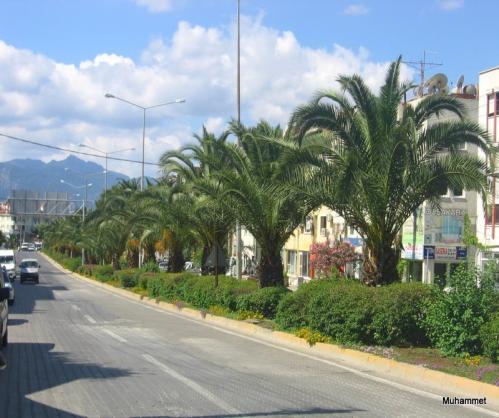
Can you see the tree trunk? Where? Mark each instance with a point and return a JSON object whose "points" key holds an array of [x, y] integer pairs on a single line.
{"points": [[380, 266], [176, 260], [205, 270], [270, 270], [115, 261], [149, 252], [132, 258]]}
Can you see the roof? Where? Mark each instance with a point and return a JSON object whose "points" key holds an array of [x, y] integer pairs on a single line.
{"points": [[490, 69], [29, 259]]}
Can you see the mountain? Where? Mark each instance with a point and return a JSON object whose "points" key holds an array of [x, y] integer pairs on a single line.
{"points": [[37, 176]]}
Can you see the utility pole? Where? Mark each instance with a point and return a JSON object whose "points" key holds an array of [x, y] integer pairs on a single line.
{"points": [[238, 224]]}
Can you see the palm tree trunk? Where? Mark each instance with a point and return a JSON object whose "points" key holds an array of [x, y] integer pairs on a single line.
{"points": [[380, 266], [176, 260], [270, 270]]}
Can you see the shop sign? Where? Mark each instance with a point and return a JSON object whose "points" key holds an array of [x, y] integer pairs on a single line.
{"points": [[461, 253], [445, 253]]}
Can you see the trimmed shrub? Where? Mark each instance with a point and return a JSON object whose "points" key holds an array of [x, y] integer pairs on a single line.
{"points": [[151, 267], [454, 318], [103, 273], [127, 278], [292, 309], [342, 312], [489, 336], [71, 263], [398, 311], [263, 301]]}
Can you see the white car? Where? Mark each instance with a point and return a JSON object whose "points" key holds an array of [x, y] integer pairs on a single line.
{"points": [[28, 270], [8, 261]]}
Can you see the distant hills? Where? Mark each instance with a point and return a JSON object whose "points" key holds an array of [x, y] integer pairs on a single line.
{"points": [[37, 176]]}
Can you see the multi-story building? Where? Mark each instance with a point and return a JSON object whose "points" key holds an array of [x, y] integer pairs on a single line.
{"points": [[488, 219], [432, 238], [320, 226], [6, 220]]}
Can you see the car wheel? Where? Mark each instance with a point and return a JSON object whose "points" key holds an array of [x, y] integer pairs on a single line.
{"points": [[5, 339]]}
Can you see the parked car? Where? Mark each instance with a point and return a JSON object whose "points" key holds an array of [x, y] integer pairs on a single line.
{"points": [[31, 247], [8, 261], [8, 285], [28, 270], [4, 314], [38, 246], [24, 247]]}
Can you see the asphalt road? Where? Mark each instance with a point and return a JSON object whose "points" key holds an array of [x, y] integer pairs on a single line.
{"points": [[78, 350]]}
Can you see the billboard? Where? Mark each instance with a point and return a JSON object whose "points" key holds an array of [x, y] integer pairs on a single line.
{"points": [[409, 251], [443, 226]]}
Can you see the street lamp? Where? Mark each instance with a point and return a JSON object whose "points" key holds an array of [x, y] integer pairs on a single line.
{"points": [[144, 109], [85, 186], [106, 153]]}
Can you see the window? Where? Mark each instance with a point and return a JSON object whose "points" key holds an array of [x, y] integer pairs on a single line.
{"points": [[323, 225], [304, 256], [458, 192], [488, 214], [291, 261], [308, 224], [491, 105]]}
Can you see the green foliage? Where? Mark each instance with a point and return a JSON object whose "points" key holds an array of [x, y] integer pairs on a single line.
{"points": [[397, 313], [72, 263], [352, 313], [292, 309], [199, 291], [127, 278], [343, 312], [103, 273], [243, 315], [263, 301], [151, 267], [312, 337], [489, 336], [453, 319]]}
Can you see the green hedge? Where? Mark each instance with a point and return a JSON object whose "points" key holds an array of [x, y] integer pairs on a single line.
{"points": [[103, 273], [263, 301], [489, 336], [199, 291], [351, 313], [128, 278]]}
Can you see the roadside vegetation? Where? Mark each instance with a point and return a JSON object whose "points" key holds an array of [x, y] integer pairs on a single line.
{"points": [[368, 157]]}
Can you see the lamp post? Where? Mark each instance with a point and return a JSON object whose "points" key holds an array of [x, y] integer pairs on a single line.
{"points": [[85, 186], [239, 259], [144, 109], [106, 154]]}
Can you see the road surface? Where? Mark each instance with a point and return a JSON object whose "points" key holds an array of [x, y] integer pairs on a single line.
{"points": [[78, 350]]}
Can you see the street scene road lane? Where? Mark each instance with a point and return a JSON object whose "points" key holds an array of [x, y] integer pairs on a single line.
{"points": [[76, 350]]}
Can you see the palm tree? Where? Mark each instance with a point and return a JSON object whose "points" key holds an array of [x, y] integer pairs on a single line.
{"points": [[374, 159], [192, 166], [253, 189]]}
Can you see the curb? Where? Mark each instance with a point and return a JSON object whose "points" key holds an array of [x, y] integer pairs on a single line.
{"points": [[437, 381]]}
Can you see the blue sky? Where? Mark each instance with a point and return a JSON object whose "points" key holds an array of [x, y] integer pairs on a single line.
{"points": [[56, 50]]}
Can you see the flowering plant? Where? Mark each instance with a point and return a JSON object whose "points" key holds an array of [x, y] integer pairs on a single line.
{"points": [[326, 256]]}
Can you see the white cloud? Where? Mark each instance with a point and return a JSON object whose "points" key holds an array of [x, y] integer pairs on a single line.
{"points": [[356, 10], [64, 105], [155, 6], [450, 5]]}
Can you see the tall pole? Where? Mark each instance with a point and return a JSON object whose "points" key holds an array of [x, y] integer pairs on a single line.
{"points": [[83, 217], [105, 180], [238, 224], [143, 150], [414, 232]]}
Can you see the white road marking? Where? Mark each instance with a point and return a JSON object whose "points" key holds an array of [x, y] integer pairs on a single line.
{"points": [[90, 319], [366, 375], [193, 385], [115, 336], [75, 307]]}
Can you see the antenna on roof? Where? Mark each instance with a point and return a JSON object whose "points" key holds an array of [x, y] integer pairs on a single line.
{"points": [[459, 85], [421, 65]]}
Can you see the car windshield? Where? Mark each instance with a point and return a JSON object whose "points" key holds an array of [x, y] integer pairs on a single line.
{"points": [[6, 259], [29, 264]]}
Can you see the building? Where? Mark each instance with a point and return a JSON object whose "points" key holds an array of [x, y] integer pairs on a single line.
{"points": [[320, 226], [432, 238], [6, 220], [488, 111]]}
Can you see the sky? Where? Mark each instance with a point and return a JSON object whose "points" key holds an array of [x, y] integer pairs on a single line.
{"points": [[58, 59]]}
